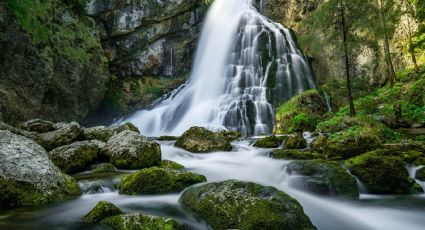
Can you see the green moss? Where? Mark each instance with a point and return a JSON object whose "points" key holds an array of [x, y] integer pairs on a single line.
{"points": [[294, 154], [420, 174], [295, 141], [323, 177], [201, 140], [104, 168], [101, 211], [158, 181], [170, 165], [269, 142], [243, 205], [140, 221], [382, 175]]}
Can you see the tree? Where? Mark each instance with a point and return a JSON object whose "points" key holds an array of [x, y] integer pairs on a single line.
{"points": [[410, 12]]}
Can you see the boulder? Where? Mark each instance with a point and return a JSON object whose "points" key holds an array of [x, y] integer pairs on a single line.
{"points": [[382, 174], [130, 150], [170, 165], [76, 156], [323, 177], [101, 211], [294, 154], [103, 133], [243, 205], [269, 142], [103, 168], [65, 135], [140, 221], [420, 174], [30, 135], [157, 180], [295, 141], [230, 135], [201, 140], [28, 177], [38, 125]]}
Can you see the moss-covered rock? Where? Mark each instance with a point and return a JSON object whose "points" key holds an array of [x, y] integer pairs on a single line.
{"points": [[76, 156], [301, 113], [420, 174], [158, 181], [28, 176], [294, 154], [295, 141], [382, 174], [323, 177], [244, 205], [409, 157], [170, 165], [140, 221], [269, 142], [101, 211], [230, 135], [130, 150], [201, 140], [103, 133], [66, 135], [103, 168]]}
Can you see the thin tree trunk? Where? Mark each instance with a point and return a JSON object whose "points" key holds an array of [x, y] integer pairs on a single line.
{"points": [[411, 46], [388, 60], [347, 62]]}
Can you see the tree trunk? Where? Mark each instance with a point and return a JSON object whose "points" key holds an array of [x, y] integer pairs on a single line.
{"points": [[347, 62], [411, 46], [387, 54]]}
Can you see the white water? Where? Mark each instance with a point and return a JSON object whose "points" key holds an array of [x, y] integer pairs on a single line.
{"points": [[238, 53]]}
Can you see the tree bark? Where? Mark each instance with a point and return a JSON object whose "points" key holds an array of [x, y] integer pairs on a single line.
{"points": [[412, 47], [347, 61], [387, 53]]}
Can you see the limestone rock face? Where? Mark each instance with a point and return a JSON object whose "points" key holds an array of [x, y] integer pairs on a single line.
{"points": [[244, 205], [130, 150], [28, 177]]}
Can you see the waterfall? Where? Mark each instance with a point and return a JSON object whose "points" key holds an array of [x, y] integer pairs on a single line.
{"points": [[244, 65]]}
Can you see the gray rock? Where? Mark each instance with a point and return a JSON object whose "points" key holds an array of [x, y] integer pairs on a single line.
{"points": [[64, 136], [103, 133], [76, 156], [38, 125], [28, 177], [130, 150], [140, 221], [30, 135]]}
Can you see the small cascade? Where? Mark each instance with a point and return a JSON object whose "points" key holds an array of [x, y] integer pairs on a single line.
{"points": [[412, 173], [245, 64]]}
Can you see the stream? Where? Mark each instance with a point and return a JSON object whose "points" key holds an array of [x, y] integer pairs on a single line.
{"points": [[245, 163]]}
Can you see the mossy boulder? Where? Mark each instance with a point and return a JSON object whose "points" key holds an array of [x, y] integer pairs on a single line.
{"points": [[243, 205], [140, 221], [76, 156], [201, 140], [28, 177], [103, 168], [130, 150], [323, 177], [66, 135], [170, 165], [294, 154], [102, 210], [103, 133], [38, 125], [230, 135], [420, 174], [269, 142], [157, 180], [301, 113], [30, 135], [295, 141], [382, 174], [410, 157]]}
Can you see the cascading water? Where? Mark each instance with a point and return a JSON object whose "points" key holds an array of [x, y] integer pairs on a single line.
{"points": [[244, 64]]}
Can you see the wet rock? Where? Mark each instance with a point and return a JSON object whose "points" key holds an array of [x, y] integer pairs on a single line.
{"points": [[30, 135], [101, 211], [130, 150], [158, 181], [323, 177], [170, 165], [167, 138], [38, 125], [295, 141], [28, 177], [244, 205], [76, 156], [230, 135], [103, 133], [420, 174], [66, 135], [103, 168], [140, 221], [294, 154], [382, 174], [269, 142], [201, 140]]}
